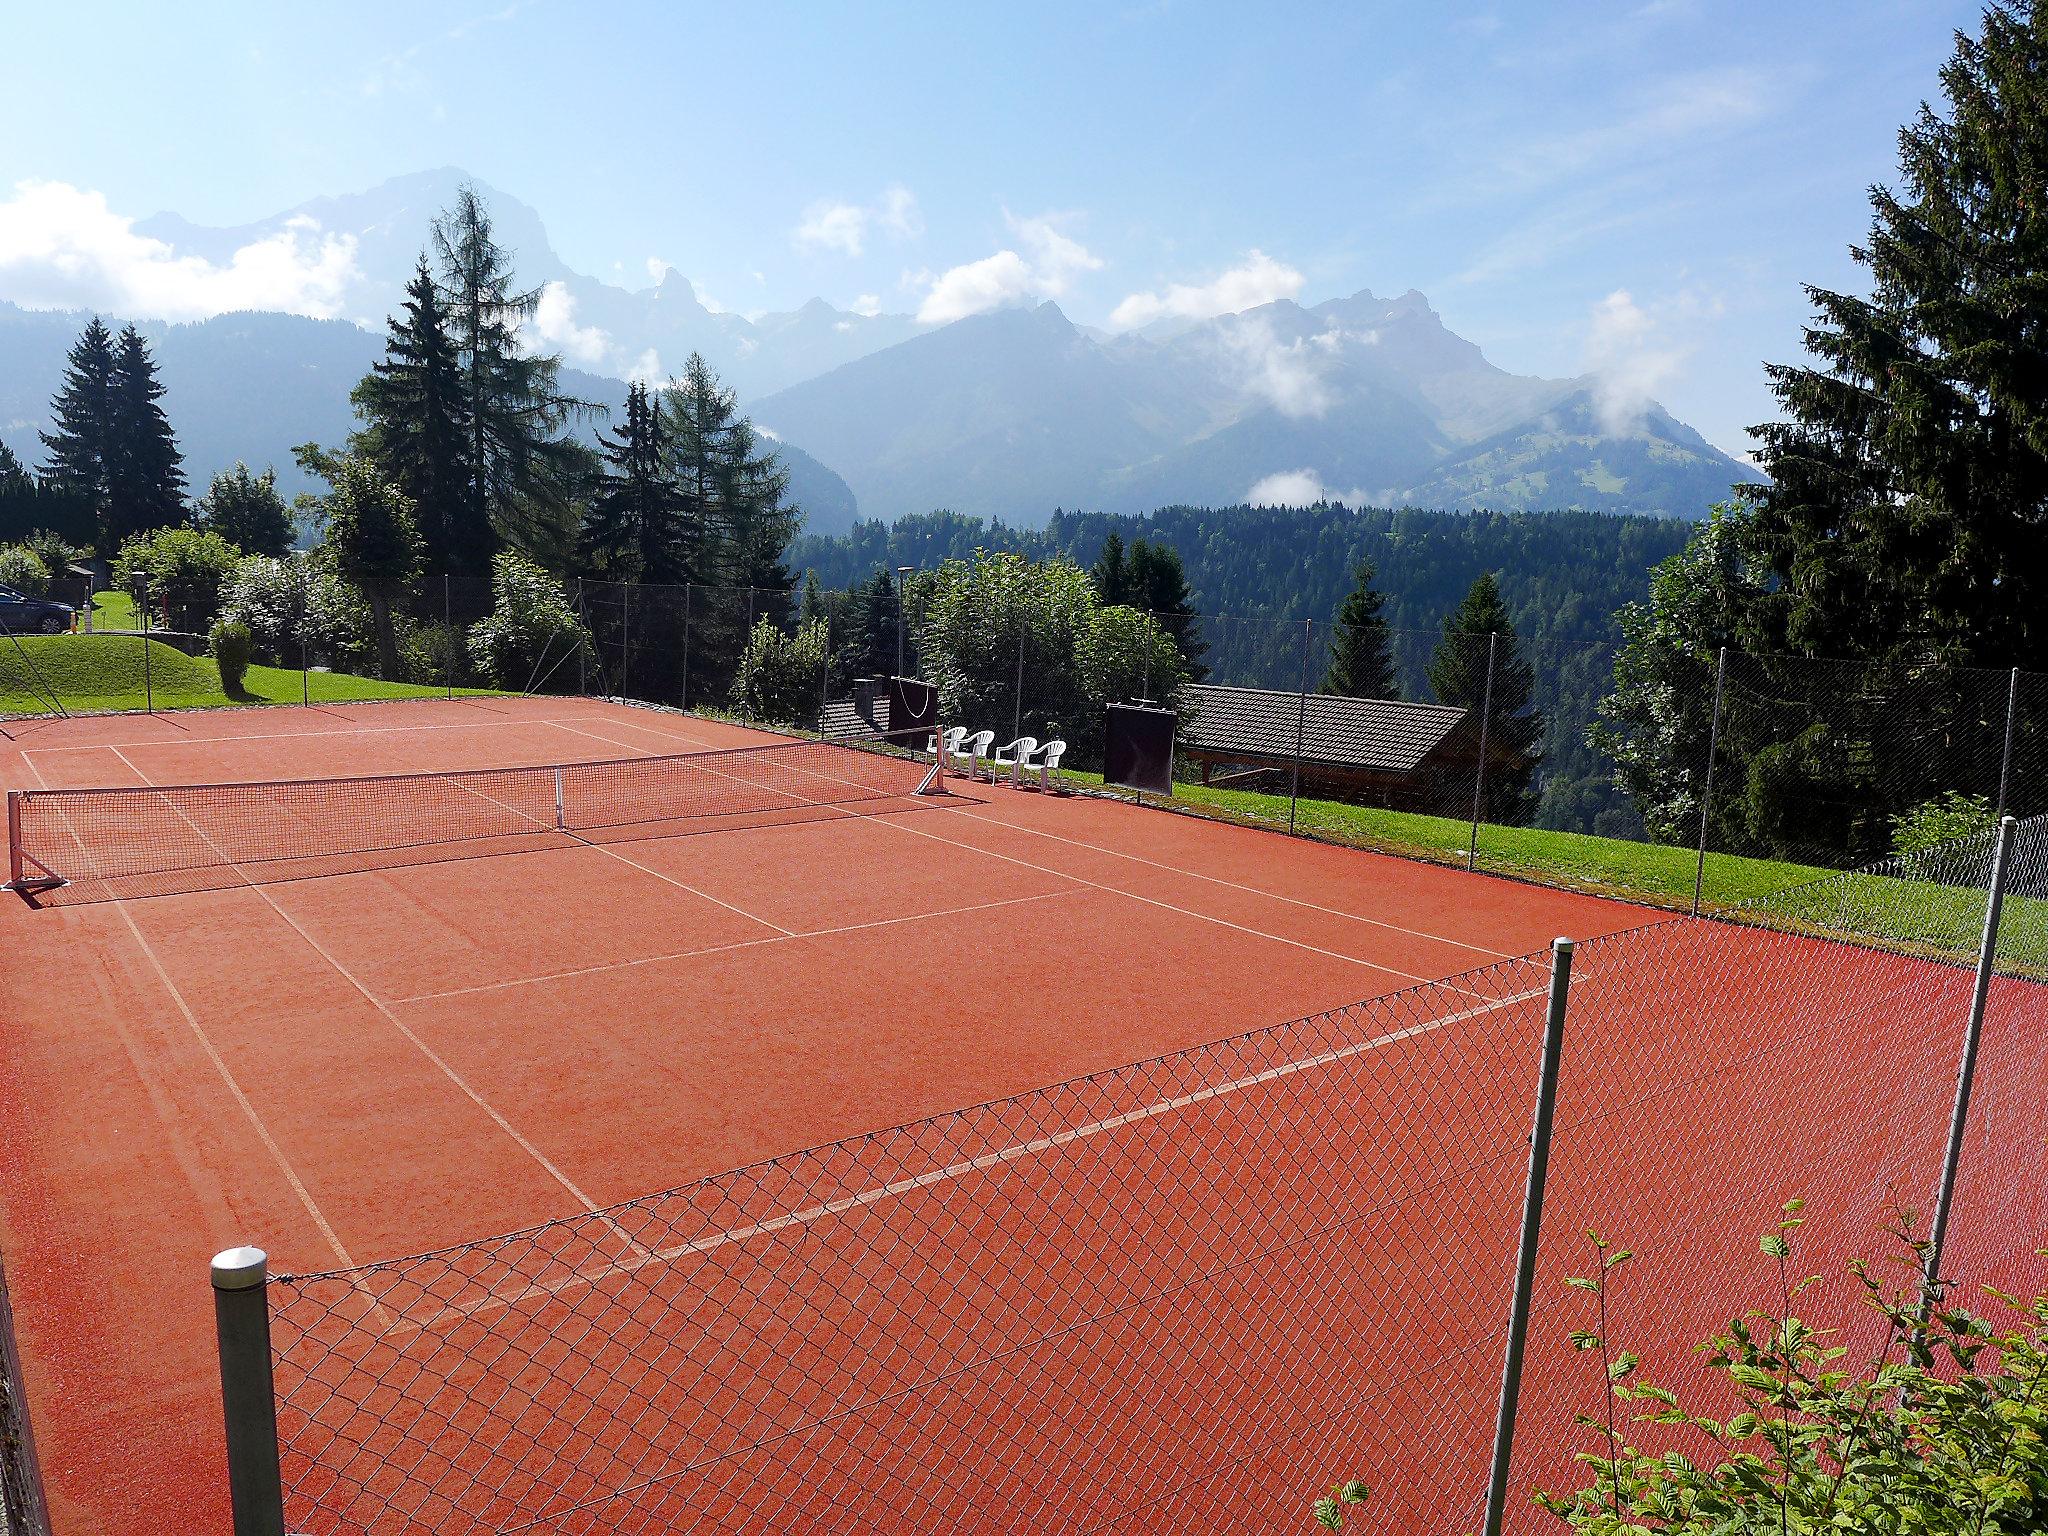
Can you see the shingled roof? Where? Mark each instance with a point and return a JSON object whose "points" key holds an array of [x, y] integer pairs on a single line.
{"points": [[1246, 724]]}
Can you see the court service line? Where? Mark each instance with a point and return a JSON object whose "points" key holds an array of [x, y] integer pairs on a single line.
{"points": [[1060, 874], [352, 730], [220, 1066], [959, 1170], [719, 949], [397, 1023]]}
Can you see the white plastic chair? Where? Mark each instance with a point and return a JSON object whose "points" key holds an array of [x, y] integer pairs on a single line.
{"points": [[1013, 757], [969, 752], [945, 749], [1048, 765]]}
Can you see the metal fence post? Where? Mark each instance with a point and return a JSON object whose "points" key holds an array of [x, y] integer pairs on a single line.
{"points": [[241, 1315], [825, 676], [1017, 705], [1532, 1230], [625, 638], [686, 647], [2012, 704], [1479, 774], [448, 624], [582, 650], [148, 680], [1987, 958], [305, 668], [1300, 722], [1699, 873]]}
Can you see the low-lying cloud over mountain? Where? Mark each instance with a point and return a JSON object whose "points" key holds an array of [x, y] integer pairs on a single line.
{"points": [[987, 400], [1361, 399]]}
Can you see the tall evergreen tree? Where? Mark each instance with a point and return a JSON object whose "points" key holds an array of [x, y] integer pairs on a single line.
{"points": [[1907, 511], [246, 510], [78, 461], [1156, 583], [1361, 664], [632, 529], [873, 615], [416, 431], [1109, 572], [14, 476], [524, 474], [145, 471], [1477, 635], [373, 541]]}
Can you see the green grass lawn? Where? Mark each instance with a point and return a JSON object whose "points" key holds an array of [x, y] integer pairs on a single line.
{"points": [[105, 672], [113, 609]]}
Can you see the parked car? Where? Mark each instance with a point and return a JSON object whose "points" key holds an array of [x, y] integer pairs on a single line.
{"points": [[22, 614]]}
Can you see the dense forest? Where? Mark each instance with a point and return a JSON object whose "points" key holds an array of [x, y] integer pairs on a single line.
{"points": [[1256, 573]]}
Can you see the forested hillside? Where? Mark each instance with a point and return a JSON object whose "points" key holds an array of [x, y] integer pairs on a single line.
{"points": [[1257, 573]]}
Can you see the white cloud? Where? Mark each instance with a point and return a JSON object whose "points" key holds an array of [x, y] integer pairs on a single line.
{"points": [[1258, 279], [63, 248], [1634, 351], [836, 225], [657, 269], [868, 304], [1051, 261], [646, 369], [1287, 375], [841, 227], [1300, 488], [554, 322]]}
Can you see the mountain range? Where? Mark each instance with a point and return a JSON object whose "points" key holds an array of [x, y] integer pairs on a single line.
{"points": [[1009, 413]]}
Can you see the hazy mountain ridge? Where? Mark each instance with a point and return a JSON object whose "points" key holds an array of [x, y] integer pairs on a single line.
{"points": [[1372, 400], [252, 386]]}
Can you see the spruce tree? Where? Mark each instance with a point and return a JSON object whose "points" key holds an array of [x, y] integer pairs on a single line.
{"points": [[632, 528], [1157, 583], [14, 476], [78, 463], [1109, 572], [873, 613], [1906, 516], [145, 471], [415, 431], [1361, 664], [1476, 633], [523, 474], [247, 511]]}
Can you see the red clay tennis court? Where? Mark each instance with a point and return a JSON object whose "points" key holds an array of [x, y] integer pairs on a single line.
{"points": [[231, 1030]]}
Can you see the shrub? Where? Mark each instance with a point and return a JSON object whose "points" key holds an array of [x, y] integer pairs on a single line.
{"points": [[57, 553], [782, 677], [179, 572], [532, 629], [231, 643], [1940, 820], [432, 652], [287, 602], [23, 569]]}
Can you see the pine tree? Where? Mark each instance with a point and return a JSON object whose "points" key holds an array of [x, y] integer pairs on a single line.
{"points": [[523, 474], [247, 511], [145, 471], [1479, 636], [1109, 573], [1156, 583], [632, 528], [1361, 665], [731, 506], [873, 611], [1907, 510], [412, 405], [78, 462], [14, 476]]}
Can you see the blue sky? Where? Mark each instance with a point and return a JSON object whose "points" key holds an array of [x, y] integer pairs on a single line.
{"points": [[1639, 189]]}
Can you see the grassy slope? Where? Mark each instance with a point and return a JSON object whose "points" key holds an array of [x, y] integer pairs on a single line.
{"points": [[1917, 916], [105, 672]]}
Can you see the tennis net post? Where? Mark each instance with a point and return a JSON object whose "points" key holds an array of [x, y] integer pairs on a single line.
{"points": [[20, 860]]}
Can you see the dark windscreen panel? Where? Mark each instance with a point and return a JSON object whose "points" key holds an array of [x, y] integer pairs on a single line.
{"points": [[1138, 748], [913, 708]]}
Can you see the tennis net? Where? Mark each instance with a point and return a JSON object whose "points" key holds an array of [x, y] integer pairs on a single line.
{"points": [[120, 834]]}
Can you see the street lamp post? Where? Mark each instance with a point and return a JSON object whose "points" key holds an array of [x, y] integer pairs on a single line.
{"points": [[902, 571]]}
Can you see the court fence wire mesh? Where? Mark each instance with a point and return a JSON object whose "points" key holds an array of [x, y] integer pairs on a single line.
{"points": [[1189, 1293], [22, 1511]]}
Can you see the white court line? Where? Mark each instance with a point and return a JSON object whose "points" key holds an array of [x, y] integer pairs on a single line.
{"points": [[220, 1066], [952, 1171], [1060, 874], [397, 1023], [719, 949], [1293, 901], [352, 730]]}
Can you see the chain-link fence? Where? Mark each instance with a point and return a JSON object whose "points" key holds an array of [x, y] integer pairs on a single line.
{"points": [[1188, 1294], [22, 1511]]}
